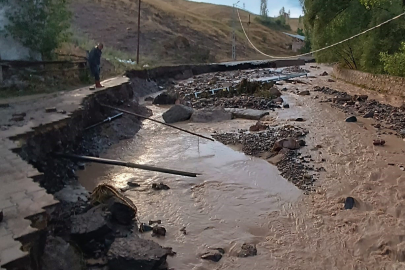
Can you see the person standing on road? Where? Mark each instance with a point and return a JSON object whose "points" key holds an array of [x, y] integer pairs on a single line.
{"points": [[94, 63]]}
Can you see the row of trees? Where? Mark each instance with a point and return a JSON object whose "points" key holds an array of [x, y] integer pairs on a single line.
{"points": [[378, 51], [39, 25]]}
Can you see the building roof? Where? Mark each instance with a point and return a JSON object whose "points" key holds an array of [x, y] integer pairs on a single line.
{"points": [[295, 36]]}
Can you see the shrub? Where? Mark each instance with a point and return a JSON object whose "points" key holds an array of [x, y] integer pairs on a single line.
{"points": [[394, 64]]}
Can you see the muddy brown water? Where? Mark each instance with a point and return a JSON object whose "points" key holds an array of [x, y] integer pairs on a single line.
{"points": [[225, 207], [242, 199]]}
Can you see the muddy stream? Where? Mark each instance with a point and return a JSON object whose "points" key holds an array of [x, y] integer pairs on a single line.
{"points": [[240, 199]]}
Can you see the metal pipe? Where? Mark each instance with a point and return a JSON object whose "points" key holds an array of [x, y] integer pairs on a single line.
{"points": [[124, 164], [105, 121], [144, 117]]}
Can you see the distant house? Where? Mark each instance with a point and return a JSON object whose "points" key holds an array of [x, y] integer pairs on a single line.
{"points": [[11, 49], [298, 42]]}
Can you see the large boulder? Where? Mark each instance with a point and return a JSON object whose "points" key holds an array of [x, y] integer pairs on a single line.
{"points": [[177, 113], [274, 92], [134, 252], [164, 99], [250, 114], [211, 115]]}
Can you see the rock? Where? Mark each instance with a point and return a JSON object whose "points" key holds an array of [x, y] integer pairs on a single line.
{"points": [[134, 252], [149, 99], [211, 115], [258, 127], [247, 250], [302, 142], [286, 106], [378, 142], [402, 132], [278, 100], [144, 228], [183, 230], [90, 225], [289, 143], [97, 262], [351, 119], [274, 92], [81, 166], [177, 113], [164, 99], [370, 114], [72, 194], [17, 118], [52, 109], [1, 216], [304, 93], [299, 119], [284, 89], [151, 222], [58, 254], [247, 113], [159, 231], [132, 184], [361, 98], [120, 212], [160, 186], [349, 203], [330, 80], [324, 74], [212, 256]]}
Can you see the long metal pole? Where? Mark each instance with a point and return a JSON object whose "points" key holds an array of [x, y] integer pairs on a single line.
{"points": [[139, 32], [125, 164], [144, 117]]}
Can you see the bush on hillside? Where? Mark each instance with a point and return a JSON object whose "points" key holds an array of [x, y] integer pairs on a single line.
{"points": [[41, 26], [273, 23]]}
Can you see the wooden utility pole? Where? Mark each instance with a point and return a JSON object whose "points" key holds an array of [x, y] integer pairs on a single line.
{"points": [[139, 32]]}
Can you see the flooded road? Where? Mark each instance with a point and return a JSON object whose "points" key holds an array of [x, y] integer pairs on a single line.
{"points": [[225, 207]]}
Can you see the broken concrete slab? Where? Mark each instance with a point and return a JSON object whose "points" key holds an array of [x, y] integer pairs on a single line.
{"points": [[90, 225], [211, 115], [58, 254], [250, 114], [134, 252]]}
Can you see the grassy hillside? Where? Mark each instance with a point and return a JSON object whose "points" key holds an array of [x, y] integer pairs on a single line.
{"points": [[295, 24], [173, 31]]}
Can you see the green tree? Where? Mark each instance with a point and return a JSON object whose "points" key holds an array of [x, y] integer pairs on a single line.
{"points": [[394, 64], [300, 32], [330, 21], [39, 25]]}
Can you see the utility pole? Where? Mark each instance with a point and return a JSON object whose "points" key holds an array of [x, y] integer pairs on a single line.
{"points": [[233, 32], [139, 32]]}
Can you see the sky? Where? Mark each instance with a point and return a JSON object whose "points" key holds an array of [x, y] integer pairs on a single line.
{"points": [[273, 6]]}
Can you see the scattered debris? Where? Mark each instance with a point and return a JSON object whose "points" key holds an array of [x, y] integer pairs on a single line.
{"points": [[160, 186], [258, 127], [52, 109], [304, 93], [247, 250], [144, 228], [184, 230], [351, 119], [349, 203], [158, 231], [151, 222], [330, 80], [369, 114], [378, 142], [324, 74], [286, 105]]}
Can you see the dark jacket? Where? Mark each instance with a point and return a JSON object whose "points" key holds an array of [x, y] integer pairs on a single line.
{"points": [[95, 57]]}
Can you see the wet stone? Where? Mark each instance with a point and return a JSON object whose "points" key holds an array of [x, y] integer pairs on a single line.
{"points": [[120, 212], [151, 222], [214, 256], [378, 142], [160, 186], [49, 110], [158, 231], [351, 119], [247, 250], [164, 99], [144, 228], [304, 93], [134, 252], [286, 106], [177, 113], [58, 254], [370, 114], [349, 203]]}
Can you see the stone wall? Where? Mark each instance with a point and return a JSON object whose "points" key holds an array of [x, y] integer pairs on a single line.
{"points": [[381, 83]]}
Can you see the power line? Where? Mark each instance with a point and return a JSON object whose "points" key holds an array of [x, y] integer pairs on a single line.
{"points": [[322, 49]]}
